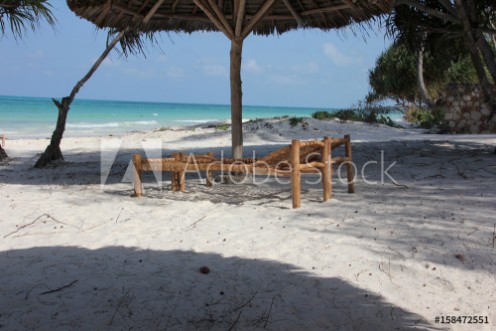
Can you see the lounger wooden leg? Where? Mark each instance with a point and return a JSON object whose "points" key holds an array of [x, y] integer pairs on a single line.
{"points": [[176, 175], [182, 181], [210, 174], [295, 173], [349, 164], [174, 181], [327, 171], [137, 175]]}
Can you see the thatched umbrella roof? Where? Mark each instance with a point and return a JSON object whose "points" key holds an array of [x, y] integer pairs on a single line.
{"points": [[235, 18], [186, 16]]}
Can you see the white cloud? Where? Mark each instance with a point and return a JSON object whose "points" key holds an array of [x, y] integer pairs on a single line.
{"points": [[143, 74], [307, 68], [48, 73], [38, 54], [108, 62], [215, 70], [335, 55], [286, 79], [175, 72], [252, 66], [162, 58]]}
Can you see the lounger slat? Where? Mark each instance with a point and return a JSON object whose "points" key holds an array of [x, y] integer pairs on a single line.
{"points": [[317, 143], [317, 165], [301, 157]]}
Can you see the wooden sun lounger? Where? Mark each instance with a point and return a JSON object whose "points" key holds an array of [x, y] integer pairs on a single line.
{"points": [[293, 160]]}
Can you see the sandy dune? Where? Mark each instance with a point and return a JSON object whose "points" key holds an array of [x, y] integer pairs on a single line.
{"points": [[75, 254]]}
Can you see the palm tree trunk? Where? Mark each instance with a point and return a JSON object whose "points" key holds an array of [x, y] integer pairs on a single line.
{"points": [[487, 54], [3, 155], [475, 55], [424, 93], [53, 151]]}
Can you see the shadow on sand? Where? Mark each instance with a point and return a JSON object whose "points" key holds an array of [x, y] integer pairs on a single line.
{"points": [[118, 288]]}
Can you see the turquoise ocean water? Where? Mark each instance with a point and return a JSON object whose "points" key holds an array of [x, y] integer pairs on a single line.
{"points": [[29, 117]]}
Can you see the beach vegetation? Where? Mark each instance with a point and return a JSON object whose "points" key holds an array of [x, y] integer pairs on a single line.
{"points": [[323, 115], [222, 127], [131, 42], [363, 112], [23, 15], [449, 31], [395, 75], [294, 121], [163, 128], [20, 16], [53, 151], [425, 118], [256, 123]]}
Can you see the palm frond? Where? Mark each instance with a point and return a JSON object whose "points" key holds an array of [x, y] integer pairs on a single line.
{"points": [[23, 15], [134, 42]]}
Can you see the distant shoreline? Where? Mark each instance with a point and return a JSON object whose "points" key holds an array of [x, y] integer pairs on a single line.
{"points": [[170, 102], [34, 117]]}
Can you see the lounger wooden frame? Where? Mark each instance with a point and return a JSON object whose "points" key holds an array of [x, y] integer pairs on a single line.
{"points": [[313, 156]]}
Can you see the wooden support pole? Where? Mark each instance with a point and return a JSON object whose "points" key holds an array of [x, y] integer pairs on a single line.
{"points": [[293, 12], [295, 173], [182, 175], [152, 11], [327, 171], [217, 10], [174, 181], [182, 181], [236, 98], [240, 13], [349, 164], [175, 174], [216, 21], [137, 175], [261, 13], [3, 140], [174, 5], [210, 174]]}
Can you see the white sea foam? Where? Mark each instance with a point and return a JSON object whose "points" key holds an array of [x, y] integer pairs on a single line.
{"points": [[244, 120], [7, 132], [93, 125], [139, 123], [197, 121], [84, 125]]}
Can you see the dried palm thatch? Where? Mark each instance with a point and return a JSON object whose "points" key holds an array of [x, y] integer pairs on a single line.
{"points": [[196, 15], [235, 18]]}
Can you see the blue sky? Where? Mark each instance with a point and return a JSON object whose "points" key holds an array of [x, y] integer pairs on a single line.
{"points": [[307, 68]]}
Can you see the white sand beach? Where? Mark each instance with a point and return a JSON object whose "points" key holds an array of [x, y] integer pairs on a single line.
{"points": [[76, 254]]}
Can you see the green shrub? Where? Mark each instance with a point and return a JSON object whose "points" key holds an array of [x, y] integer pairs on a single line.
{"points": [[347, 115], [425, 118], [322, 115], [164, 128], [294, 121], [222, 127], [369, 113]]}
